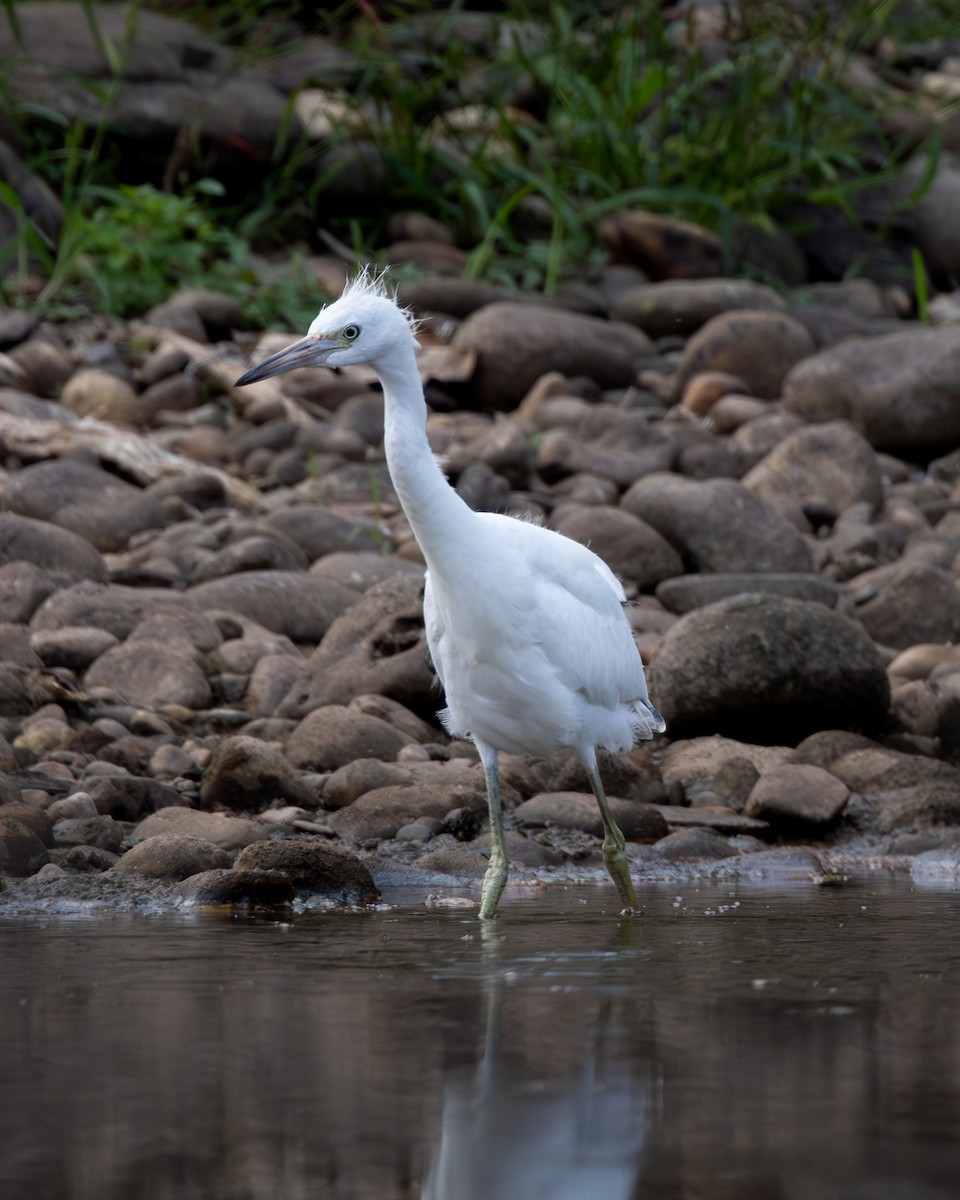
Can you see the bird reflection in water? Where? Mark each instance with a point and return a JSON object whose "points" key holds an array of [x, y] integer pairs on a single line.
{"points": [[505, 1135]]}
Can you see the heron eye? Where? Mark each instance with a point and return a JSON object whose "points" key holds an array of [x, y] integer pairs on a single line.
{"points": [[350, 333]]}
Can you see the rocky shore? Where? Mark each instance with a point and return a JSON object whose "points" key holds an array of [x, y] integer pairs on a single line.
{"points": [[214, 683], [213, 671]]}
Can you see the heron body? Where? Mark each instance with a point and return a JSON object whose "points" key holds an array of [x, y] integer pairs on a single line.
{"points": [[531, 644], [526, 627]]}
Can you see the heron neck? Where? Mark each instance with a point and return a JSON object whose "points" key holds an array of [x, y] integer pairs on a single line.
{"points": [[437, 515]]}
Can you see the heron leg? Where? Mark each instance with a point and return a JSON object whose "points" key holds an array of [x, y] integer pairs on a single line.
{"points": [[614, 843], [495, 878]]}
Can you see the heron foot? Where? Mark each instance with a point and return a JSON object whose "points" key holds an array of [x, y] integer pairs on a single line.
{"points": [[618, 868], [494, 881]]}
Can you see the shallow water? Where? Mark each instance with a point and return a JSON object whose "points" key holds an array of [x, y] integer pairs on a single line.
{"points": [[734, 1042]]}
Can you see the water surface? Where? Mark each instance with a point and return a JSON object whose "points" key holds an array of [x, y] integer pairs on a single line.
{"points": [[734, 1042]]}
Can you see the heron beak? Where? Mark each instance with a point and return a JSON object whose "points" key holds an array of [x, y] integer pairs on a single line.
{"points": [[310, 351]]}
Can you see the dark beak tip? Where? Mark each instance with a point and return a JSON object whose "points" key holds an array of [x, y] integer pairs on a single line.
{"points": [[258, 372]]}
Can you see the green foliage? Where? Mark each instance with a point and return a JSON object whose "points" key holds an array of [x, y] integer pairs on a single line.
{"points": [[139, 244], [125, 249], [625, 114], [921, 287], [619, 108]]}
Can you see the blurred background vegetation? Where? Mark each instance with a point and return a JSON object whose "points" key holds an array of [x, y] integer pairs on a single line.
{"points": [[520, 129]]}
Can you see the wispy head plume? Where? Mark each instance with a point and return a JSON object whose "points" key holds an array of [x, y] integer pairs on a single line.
{"points": [[370, 281]]}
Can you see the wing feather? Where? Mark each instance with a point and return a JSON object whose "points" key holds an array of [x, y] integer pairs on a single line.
{"points": [[528, 635], [577, 602]]}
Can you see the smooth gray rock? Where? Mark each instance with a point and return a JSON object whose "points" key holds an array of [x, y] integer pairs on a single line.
{"points": [[758, 347], [830, 462], [798, 794], [314, 868], [916, 603], [576, 810], [901, 390], [294, 603], [331, 736], [238, 889], [718, 525], [88, 501], [767, 668], [172, 856], [220, 829], [246, 774], [111, 607], [129, 797], [318, 532], [75, 647], [684, 593], [517, 343], [680, 306], [152, 673], [22, 853], [65, 556]]}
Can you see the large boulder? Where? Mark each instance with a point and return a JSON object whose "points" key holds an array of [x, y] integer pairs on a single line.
{"points": [[332, 736], [172, 856], [681, 306], [758, 347], [517, 343], [64, 556], [768, 668], [831, 463], [314, 868], [717, 524], [100, 507], [152, 673], [900, 390], [294, 603], [915, 603], [246, 774]]}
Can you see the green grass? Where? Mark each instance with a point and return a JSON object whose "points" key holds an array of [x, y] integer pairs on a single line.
{"points": [[619, 113], [134, 246], [621, 117]]}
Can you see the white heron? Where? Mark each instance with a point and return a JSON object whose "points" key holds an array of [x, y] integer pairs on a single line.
{"points": [[526, 627]]}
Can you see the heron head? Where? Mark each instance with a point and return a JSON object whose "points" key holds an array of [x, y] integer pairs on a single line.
{"points": [[363, 326]]}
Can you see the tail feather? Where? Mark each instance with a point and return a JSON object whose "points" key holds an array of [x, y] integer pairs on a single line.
{"points": [[645, 719]]}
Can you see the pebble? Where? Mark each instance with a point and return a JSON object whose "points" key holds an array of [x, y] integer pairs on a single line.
{"points": [[414, 832], [72, 807]]}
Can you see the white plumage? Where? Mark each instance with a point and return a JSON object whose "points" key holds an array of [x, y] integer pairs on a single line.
{"points": [[526, 627]]}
